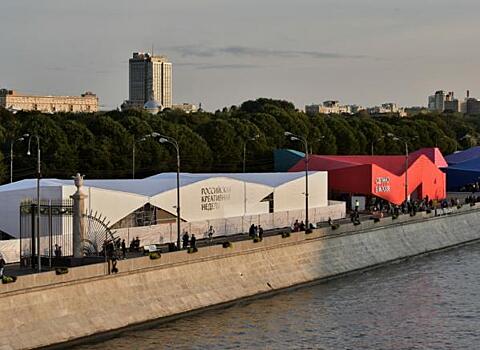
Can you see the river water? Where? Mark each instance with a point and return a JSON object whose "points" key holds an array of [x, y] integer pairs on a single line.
{"points": [[432, 302]]}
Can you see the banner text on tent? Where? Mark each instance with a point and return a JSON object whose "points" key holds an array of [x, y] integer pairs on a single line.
{"points": [[212, 197]]}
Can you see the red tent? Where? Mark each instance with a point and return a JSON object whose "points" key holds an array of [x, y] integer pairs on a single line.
{"points": [[383, 176]]}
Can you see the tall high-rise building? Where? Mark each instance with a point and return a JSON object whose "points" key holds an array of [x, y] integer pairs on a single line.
{"points": [[437, 102], [150, 78]]}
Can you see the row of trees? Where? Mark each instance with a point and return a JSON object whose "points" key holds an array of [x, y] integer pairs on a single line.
{"points": [[100, 145]]}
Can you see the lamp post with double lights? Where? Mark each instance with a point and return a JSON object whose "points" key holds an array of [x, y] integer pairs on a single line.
{"points": [[294, 137], [375, 141], [39, 174], [174, 142], [12, 142], [405, 141]]}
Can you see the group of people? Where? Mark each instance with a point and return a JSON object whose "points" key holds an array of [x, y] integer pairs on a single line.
{"points": [[412, 207], [255, 231], [298, 226], [472, 199], [135, 244], [471, 187], [188, 241]]}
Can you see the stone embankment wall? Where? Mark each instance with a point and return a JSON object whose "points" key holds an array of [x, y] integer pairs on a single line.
{"points": [[45, 308]]}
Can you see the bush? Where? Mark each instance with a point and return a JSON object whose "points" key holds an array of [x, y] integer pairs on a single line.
{"points": [[257, 239], [394, 216], [192, 250], [308, 231], [61, 270], [8, 279], [227, 245], [285, 234], [459, 206], [154, 255], [335, 226]]}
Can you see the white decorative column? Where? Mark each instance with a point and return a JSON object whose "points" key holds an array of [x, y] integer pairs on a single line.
{"points": [[78, 217]]}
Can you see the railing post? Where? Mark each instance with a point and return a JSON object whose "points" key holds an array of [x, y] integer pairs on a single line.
{"points": [[50, 229], [32, 245]]}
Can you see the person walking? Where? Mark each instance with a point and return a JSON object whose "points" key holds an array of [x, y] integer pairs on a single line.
{"points": [[124, 249], [193, 241], [211, 232], [2, 265], [185, 239], [357, 205], [260, 232], [251, 231]]}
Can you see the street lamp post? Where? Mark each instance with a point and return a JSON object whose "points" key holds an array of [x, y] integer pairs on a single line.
{"points": [[256, 137], [174, 142], [294, 137], [405, 141], [373, 142], [39, 174], [12, 142], [144, 138]]}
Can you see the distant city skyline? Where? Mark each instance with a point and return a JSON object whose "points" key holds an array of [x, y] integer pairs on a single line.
{"points": [[225, 52]]}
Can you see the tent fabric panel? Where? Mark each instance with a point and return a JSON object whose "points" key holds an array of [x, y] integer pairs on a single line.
{"points": [[458, 178], [463, 156]]}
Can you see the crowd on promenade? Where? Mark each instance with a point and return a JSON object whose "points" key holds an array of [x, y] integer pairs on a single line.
{"points": [[384, 208], [471, 187]]}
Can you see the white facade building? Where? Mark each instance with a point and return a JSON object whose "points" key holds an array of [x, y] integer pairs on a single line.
{"points": [[387, 108], [328, 107]]}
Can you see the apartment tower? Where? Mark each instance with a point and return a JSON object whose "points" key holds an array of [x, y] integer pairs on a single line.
{"points": [[150, 78]]}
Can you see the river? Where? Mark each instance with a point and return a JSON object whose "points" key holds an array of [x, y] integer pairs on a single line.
{"points": [[430, 302]]}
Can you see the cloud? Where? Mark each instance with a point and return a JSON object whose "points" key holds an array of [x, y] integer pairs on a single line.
{"points": [[243, 51], [219, 66]]}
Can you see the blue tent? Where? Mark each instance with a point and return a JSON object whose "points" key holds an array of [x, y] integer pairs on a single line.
{"points": [[463, 168]]}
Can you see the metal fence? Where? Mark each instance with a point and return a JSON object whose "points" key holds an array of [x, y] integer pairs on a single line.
{"points": [[167, 232], [55, 230]]}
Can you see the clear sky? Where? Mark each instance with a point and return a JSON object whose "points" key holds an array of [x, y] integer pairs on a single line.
{"points": [[224, 51]]}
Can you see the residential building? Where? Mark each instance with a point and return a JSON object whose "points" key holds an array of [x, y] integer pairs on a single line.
{"points": [[328, 107], [472, 106], [15, 101], [354, 109], [451, 104], [437, 102], [185, 107], [150, 79], [387, 108]]}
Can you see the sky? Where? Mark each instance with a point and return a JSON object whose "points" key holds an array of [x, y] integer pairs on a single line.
{"points": [[224, 52]]}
